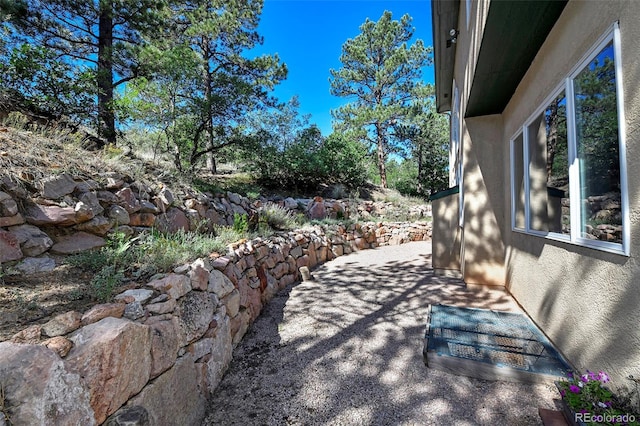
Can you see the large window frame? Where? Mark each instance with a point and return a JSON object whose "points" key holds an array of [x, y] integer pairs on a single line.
{"points": [[521, 162]]}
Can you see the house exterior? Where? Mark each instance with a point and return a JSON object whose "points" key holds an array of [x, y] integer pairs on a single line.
{"points": [[544, 99]]}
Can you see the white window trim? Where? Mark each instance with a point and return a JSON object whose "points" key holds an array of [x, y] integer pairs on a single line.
{"points": [[611, 35]]}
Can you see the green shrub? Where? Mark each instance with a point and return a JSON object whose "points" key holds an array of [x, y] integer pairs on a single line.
{"points": [[105, 282], [277, 217], [240, 223]]}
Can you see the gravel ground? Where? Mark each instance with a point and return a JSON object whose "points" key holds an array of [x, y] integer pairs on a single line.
{"points": [[346, 349]]}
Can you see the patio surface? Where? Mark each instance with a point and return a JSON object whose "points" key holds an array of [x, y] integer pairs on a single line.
{"points": [[346, 349]]}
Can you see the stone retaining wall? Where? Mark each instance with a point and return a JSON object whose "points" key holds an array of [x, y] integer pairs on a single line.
{"points": [[156, 355]]}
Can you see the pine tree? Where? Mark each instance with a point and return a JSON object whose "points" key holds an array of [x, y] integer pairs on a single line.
{"points": [[97, 35], [380, 74]]}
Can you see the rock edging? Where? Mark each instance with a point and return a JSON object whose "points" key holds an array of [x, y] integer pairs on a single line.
{"points": [[157, 354]]}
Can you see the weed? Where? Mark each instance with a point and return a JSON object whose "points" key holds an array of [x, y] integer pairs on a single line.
{"points": [[5, 406], [240, 223], [277, 217], [105, 282]]}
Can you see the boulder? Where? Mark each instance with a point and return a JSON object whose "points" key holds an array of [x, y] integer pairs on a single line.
{"points": [[91, 200], [99, 312], [184, 404], [195, 312], [35, 265], [9, 247], [219, 284], [174, 285], [57, 186], [8, 207], [77, 242], [172, 221], [17, 219], [164, 345], [51, 215], [221, 352], [62, 324], [99, 225], [141, 295], [84, 212], [119, 215], [33, 241], [60, 345], [128, 200], [113, 357], [142, 219], [40, 389]]}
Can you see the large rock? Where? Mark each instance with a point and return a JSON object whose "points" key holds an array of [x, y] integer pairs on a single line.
{"points": [[9, 247], [33, 241], [129, 415], [221, 352], [219, 284], [8, 206], [172, 221], [35, 265], [119, 215], [57, 186], [99, 225], [195, 312], [113, 357], [17, 219], [317, 209], [128, 200], [62, 324], [76, 243], [164, 345], [51, 215], [91, 199], [40, 390], [99, 312], [175, 285], [174, 398]]}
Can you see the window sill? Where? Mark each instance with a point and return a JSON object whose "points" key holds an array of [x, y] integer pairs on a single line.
{"points": [[614, 248]]}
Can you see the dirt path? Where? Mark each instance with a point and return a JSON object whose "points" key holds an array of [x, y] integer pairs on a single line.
{"points": [[346, 349]]}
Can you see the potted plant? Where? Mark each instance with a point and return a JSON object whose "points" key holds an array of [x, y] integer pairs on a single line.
{"points": [[587, 401]]}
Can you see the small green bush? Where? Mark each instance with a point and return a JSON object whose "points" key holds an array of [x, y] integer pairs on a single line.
{"points": [[105, 282], [240, 223], [277, 217]]}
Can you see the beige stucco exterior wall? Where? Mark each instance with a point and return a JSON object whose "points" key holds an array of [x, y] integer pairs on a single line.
{"points": [[446, 233], [483, 251], [482, 238], [587, 301]]}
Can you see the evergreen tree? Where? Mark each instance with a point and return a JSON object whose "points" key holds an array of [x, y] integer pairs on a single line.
{"points": [[215, 84], [380, 75], [97, 38]]}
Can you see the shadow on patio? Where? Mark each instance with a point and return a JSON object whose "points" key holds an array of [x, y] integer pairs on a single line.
{"points": [[346, 348]]}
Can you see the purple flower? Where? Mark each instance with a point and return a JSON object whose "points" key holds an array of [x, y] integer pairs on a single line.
{"points": [[570, 375], [574, 389], [584, 378], [603, 377], [583, 411], [563, 393]]}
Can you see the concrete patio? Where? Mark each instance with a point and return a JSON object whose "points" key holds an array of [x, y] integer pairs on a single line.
{"points": [[346, 349]]}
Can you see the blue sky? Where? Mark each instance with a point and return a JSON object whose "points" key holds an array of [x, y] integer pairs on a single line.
{"points": [[308, 36]]}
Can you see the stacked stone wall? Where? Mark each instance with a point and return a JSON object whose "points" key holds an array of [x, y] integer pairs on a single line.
{"points": [[158, 352]]}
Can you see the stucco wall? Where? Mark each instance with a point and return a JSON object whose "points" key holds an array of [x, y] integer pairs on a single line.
{"points": [[482, 238], [586, 300], [446, 233]]}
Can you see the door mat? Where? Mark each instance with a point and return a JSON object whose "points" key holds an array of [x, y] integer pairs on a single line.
{"points": [[490, 345]]}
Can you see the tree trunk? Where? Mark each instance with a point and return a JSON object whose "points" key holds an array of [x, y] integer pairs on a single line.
{"points": [[419, 185], [382, 155], [106, 115], [208, 90]]}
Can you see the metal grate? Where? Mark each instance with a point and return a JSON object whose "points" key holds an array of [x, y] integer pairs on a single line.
{"points": [[502, 339]]}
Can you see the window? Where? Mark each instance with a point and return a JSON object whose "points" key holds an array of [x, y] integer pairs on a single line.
{"points": [[568, 168]]}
